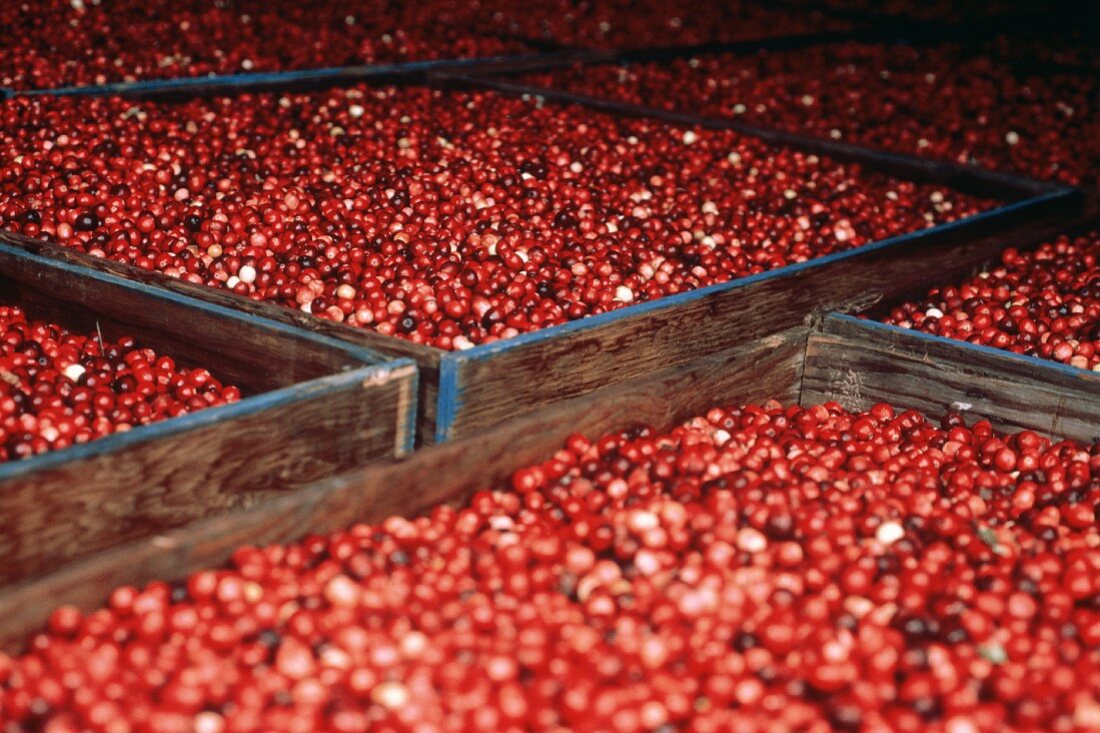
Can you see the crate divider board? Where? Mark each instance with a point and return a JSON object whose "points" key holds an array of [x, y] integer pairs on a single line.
{"points": [[462, 392], [327, 405], [934, 374], [799, 365]]}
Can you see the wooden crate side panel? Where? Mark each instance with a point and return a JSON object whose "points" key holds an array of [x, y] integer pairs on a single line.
{"points": [[218, 460], [498, 381], [771, 368], [858, 363]]}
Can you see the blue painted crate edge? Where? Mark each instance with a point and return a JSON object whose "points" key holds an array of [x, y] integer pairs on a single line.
{"points": [[235, 82], [412, 409], [448, 398]]}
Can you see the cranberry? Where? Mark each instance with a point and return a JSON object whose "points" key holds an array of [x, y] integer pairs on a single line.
{"points": [[966, 103], [86, 222], [80, 42], [648, 23]]}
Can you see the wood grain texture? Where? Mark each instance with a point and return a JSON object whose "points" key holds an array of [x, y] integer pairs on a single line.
{"points": [[225, 458], [770, 368], [858, 363], [571, 364]]}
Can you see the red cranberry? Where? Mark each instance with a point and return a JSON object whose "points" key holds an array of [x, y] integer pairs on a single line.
{"points": [[968, 104], [445, 218]]}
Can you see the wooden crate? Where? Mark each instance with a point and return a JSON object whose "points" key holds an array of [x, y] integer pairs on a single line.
{"points": [[311, 407], [853, 362], [1013, 391], [463, 392]]}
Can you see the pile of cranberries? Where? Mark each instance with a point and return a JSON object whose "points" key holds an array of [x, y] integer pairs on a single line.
{"points": [[446, 218], [942, 101], [59, 388], [55, 43], [1043, 303], [757, 568]]}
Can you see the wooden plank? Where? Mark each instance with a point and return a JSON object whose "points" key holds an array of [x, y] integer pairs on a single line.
{"points": [[858, 363], [145, 481], [494, 381], [770, 368]]}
